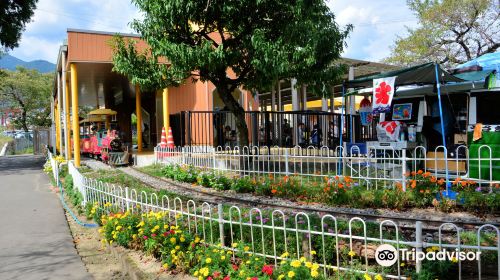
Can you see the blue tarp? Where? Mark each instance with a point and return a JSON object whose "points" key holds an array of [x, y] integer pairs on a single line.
{"points": [[478, 68]]}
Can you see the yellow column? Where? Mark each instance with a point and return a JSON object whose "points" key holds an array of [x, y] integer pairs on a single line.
{"points": [[138, 113], [57, 115], [74, 108], [67, 134], [166, 113]]}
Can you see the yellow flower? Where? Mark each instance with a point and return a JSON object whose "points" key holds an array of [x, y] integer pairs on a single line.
{"points": [[173, 240], [314, 273], [352, 254], [295, 263], [134, 236], [379, 277], [302, 259], [118, 227], [313, 253], [195, 273], [367, 277], [165, 265], [235, 245], [284, 255], [177, 247], [281, 276], [222, 257], [315, 266], [182, 239], [291, 274], [208, 260], [246, 248]]}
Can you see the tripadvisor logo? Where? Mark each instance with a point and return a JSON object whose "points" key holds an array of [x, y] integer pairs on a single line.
{"points": [[387, 255]]}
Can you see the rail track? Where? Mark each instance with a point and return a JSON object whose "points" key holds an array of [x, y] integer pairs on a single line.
{"points": [[211, 196]]}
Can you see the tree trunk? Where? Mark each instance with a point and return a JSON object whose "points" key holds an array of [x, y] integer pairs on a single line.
{"points": [[238, 111], [23, 121]]}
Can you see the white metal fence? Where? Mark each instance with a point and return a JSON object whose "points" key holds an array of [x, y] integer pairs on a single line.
{"points": [[375, 167], [272, 232]]}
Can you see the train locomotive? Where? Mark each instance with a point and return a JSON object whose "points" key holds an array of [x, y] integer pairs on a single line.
{"points": [[101, 143]]}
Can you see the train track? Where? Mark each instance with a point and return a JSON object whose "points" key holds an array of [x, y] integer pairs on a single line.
{"points": [[216, 197]]}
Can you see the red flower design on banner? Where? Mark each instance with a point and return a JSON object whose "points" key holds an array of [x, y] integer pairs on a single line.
{"points": [[382, 93], [391, 126]]}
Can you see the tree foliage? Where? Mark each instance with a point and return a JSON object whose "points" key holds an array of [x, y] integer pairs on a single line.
{"points": [[245, 43], [449, 32], [14, 15], [29, 92]]}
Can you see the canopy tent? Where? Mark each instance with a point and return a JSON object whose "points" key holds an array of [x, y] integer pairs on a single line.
{"points": [[423, 74], [106, 112]]}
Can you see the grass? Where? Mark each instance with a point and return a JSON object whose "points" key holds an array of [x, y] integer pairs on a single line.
{"points": [[4, 139]]}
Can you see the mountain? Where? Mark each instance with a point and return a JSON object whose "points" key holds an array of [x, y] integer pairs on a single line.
{"points": [[10, 62]]}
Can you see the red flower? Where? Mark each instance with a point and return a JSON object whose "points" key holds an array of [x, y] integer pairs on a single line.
{"points": [[226, 277], [209, 278], [267, 269], [255, 278], [381, 93], [216, 274], [165, 233], [235, 267], [153, 235], [145, 237]]}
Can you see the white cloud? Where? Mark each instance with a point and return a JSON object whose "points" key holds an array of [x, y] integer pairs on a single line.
{"points": [[37, 48]]}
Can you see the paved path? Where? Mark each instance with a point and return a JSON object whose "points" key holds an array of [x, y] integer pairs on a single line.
{"points": [[35, 241]]}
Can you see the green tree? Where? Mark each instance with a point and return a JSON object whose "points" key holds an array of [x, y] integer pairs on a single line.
{"points": [[259, 41], [29, 92], [449, 32], [14, 15]]}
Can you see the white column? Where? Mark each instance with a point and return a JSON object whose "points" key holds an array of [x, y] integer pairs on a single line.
{"points": [[273, 99], [473, 110], [324, 104], [295, 95], [304, 96]]}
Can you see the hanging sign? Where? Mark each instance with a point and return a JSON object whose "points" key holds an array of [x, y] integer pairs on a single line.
{"points": [[383, 91], [365, 111]]}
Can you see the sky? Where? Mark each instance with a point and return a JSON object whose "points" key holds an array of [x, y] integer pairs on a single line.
{"points": [[376, 24]]}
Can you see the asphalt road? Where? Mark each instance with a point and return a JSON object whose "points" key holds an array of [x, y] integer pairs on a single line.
{"points": [[35, 241]]}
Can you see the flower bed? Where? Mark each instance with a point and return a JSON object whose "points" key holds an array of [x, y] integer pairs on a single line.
{"points": [[423, 190]]}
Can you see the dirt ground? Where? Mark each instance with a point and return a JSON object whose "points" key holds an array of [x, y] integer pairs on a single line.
{"points": [[103, 263]]}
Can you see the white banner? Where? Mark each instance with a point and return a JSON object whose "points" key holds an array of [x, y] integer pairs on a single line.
{"points": [[383, 91]]}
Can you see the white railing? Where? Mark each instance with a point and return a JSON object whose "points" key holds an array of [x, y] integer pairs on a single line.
{"points": [[272, 232], [376, 167]]}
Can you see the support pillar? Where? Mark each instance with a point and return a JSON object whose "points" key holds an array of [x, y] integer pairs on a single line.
{"points": [[138, 113], [59, 128], [57, 117], [166, 113], [65, 103], [76, 122], [304, 96], [67, 132]]}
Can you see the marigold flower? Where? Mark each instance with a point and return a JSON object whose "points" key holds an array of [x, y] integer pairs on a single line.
{"points": [[295, 263], [351, 254], [314, 273], [291, 274], [208, 260]]}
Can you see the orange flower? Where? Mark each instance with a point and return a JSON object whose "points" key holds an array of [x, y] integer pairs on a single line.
{"points": [[413, 184], [420, 172], [347, 179], [325, 178], [433, 179], [285, 179], [426, 174], [441, 181], [463, 183], [497, 185], [337, 177], [398, 185], [413, 173], [407, 174], [341, 185], [273, 191]]}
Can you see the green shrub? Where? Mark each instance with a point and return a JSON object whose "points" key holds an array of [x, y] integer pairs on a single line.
{"points": [[243, 185]]}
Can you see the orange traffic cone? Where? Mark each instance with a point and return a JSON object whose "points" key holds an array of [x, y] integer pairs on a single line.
{"points": [[170, 139], [163, 142]]}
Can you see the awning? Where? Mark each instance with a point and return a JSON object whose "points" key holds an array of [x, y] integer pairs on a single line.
{"points": [[417, 75], [92, 119]]}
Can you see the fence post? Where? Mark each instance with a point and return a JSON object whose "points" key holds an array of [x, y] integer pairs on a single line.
{"points": [[403, 169], [418, 245], [287, 171], [221, 223], [214, 165], [127, 200]]}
